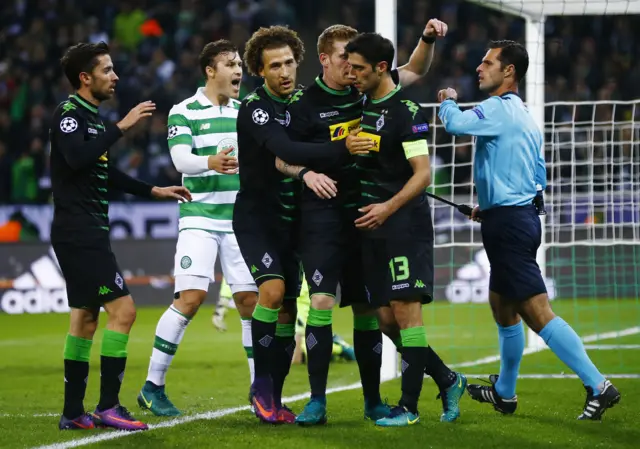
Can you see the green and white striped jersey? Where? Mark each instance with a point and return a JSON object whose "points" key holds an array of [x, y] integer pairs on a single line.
{"points": [[207, 129]]}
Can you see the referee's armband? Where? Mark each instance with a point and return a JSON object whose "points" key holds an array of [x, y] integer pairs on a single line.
{"points": [[415, 148]]}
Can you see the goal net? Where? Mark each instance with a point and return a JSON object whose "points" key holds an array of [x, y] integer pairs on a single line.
{"points": [[591, 249], [590, 256]]}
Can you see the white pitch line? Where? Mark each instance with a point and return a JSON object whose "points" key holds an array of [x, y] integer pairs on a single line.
{"points": [[559, 376], [182, 420], [588, 339], [610, 347], [22, 415], [229, 411]]}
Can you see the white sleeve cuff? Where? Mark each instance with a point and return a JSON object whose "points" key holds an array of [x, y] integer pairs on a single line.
{"points": [[187, 162]]}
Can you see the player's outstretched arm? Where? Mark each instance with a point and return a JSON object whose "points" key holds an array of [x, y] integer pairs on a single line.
{"points": [[322, 185], [121, 181], [265, 130], [483, 120], [422, 56]]}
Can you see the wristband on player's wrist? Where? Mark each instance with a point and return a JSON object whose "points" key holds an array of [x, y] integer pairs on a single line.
{"points": [[303, 172], [428, 39]]}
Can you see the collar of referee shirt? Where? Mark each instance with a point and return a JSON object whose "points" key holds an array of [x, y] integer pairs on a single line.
{"points": [[84, 103], [509, 92]]}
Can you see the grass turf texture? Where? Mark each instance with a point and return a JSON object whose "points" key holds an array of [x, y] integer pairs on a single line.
{"points": [[210, 374]]}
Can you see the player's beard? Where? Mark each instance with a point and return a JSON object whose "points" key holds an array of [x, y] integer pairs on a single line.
{"points": [[101, 95]]}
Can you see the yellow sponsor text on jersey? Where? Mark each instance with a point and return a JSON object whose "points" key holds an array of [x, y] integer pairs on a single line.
{"points": [[340, 131], [376, 140]]}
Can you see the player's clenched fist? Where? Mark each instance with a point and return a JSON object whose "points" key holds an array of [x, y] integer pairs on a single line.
{"points": [[435, 28], [144, 109], [358, 145], [223, 163]]}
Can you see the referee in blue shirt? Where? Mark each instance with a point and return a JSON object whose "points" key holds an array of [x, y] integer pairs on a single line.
{"points": [[508, 171]]}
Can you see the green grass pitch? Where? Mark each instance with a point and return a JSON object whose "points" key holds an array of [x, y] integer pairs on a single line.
{"points": [[210, 375]]}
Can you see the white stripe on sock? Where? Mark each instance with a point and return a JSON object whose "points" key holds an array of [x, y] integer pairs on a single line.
{"points": [[171, 328], [247, 342]]}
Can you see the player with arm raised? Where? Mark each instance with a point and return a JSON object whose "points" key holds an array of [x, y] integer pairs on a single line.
{"points": [[395, 220], [203, 143], [265, 215], [508, 168], [81, 176]]}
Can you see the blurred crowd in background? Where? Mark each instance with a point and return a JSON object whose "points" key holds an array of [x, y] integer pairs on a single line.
{"points": [[155, 44]]}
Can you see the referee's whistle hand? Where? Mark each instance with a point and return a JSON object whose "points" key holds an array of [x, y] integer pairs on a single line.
{"points": [[358, 145], [179, 193], [447, 93], [475, 214]]}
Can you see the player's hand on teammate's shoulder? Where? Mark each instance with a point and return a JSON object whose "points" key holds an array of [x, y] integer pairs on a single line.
{"points": [[179, 193], [436, 28], [449, 92], [322, 185], [223, 163], [358, 145], [374, 216], [144, 109]]}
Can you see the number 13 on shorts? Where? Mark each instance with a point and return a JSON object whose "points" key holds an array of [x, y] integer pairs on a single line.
{"points": [[399, 267]]}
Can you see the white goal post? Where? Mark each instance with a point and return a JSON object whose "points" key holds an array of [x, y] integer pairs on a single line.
{"points": [[534, 12]]}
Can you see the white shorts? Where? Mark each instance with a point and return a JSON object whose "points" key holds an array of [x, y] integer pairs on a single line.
{"points": [[196, 253]]}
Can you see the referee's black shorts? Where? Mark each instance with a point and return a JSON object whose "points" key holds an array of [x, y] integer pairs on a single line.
{"points": [[268, 249], [511, 237], [90, 271]]}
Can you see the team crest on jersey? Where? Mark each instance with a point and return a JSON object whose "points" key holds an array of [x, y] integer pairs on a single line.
{"points": [[286, 121], [68, 125], [173, 131], [380, 123], [260, 117], [228, 143]]}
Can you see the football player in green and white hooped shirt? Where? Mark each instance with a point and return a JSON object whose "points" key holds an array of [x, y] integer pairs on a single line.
{"points": [[203, 142]]}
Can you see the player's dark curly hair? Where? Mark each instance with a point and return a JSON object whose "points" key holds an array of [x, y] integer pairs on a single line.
{"points": [[373, 47], [512, 53], [267, 39], [213, 49], [81, 58]]}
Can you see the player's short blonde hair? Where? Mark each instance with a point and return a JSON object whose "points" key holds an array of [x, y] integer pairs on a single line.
{"points": [[332, 34]]}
